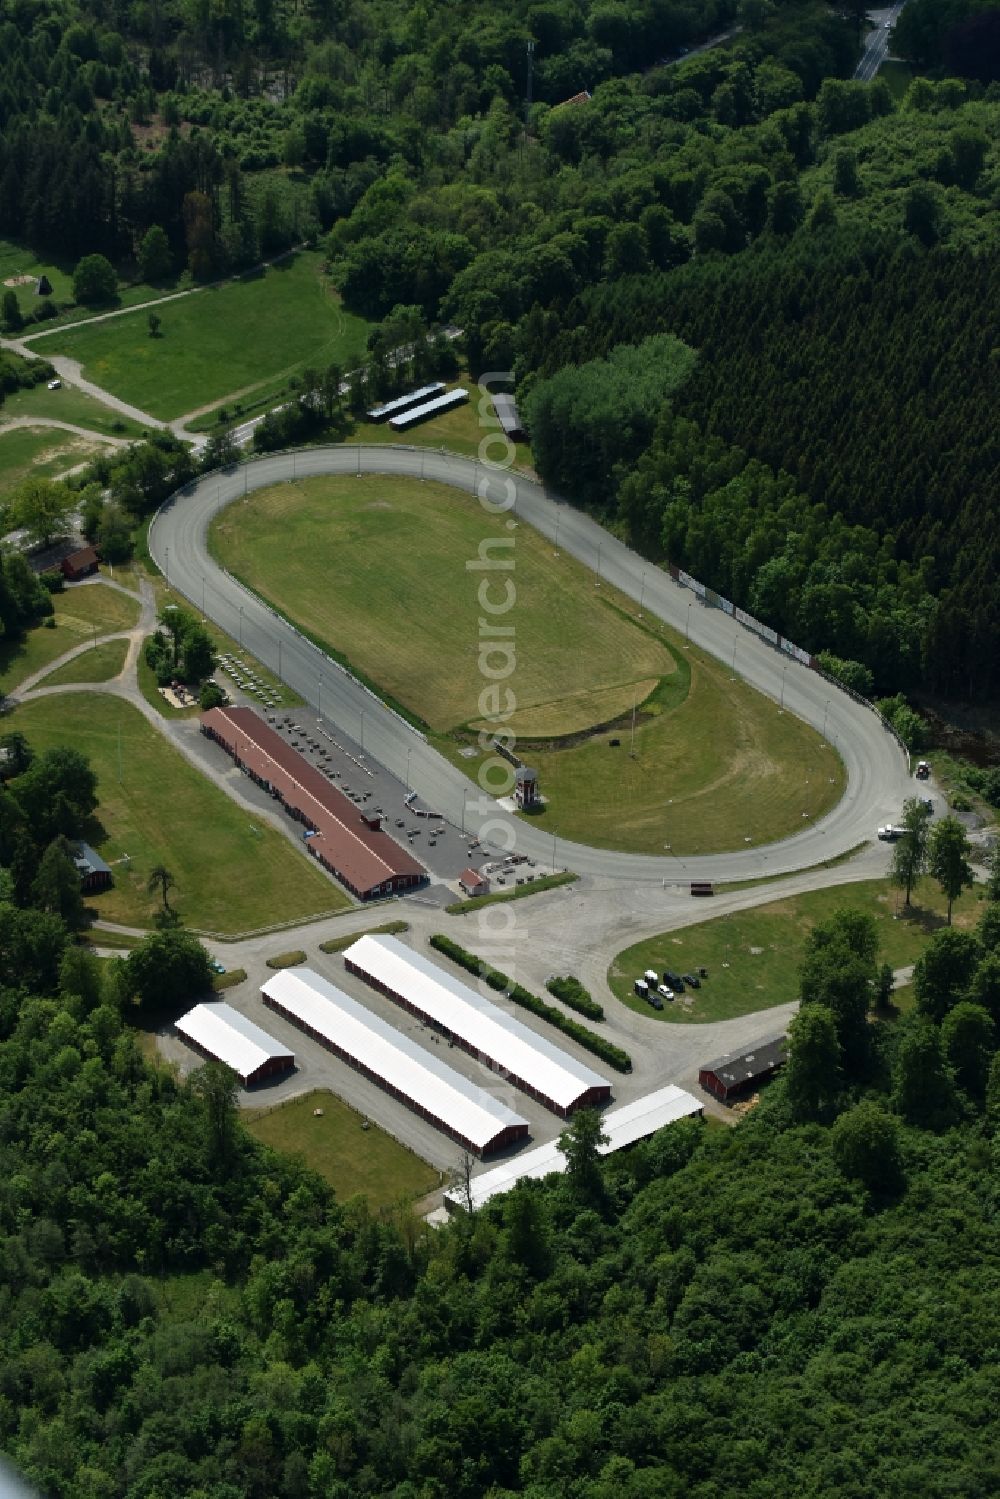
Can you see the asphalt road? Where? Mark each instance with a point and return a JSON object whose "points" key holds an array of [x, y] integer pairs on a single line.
{"points": [[877, 42], [877, 771]]}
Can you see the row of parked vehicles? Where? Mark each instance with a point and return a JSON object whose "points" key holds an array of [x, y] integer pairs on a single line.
{"points": [[655, 990]]}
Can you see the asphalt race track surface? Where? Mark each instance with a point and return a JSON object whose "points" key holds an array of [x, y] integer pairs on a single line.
{"points": [[877, 771]]}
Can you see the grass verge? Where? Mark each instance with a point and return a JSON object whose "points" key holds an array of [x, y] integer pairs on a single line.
{"points": [[228, 980], [340, 944], [353, 1155], [233, 874], [81, 613], [290, 959], [534, 887], [753, 957]]}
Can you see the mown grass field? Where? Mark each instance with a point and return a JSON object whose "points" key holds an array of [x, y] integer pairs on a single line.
{"points": [[233, 873], [80, 613], [219, 341], [753, 957], [70, 405], [98, 664], [714, 764], [352, 1159], [39, 452]]}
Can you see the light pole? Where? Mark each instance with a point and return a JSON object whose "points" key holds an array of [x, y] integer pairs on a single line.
{"points": [[784, 669], [826, 711], [687, 628], [279, 658], [362, 729], [553, 853], [241, 627], [203, 593], [558, 524], [642, 594], [735, 639], [166, 565], [409, 752], [319, 701], [598, 583]]}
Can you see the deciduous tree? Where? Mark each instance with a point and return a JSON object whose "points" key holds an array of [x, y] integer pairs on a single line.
{"points": [[909, 854], [948, 852], [865, 1147]]}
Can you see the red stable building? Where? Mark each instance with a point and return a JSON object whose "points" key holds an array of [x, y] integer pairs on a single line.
{"points": [[364, 858], [739, 1071]]}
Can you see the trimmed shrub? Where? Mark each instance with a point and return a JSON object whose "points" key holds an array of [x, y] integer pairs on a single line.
{"points": [[613, 1055], [573, 993]]}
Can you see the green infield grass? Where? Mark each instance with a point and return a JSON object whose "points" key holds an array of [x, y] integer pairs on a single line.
{"points": [[220, 342], [234, 873], [353, 1158], [98, 663], [67, 404], [82, 613], [710, 765], [39, 453], [753, 957]]}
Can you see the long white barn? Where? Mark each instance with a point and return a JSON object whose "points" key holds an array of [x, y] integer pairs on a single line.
{"points": [[528, 1060], [624, 1126], [432, 1089], [217, 1030]]}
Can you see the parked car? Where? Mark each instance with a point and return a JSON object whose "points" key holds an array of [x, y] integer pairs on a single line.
{"points": [[923, 770], [692, 980], [55, 385], [667, 993], [655, 1001]]}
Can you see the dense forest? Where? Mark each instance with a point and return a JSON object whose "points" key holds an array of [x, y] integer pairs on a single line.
{"points": [[560, 181], [804, 1305]]}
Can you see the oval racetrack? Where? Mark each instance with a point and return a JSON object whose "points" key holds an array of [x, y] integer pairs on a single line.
{"points": [[877, 771]]}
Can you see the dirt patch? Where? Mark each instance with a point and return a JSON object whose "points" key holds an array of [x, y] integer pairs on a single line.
{"points": [[20, 280]]}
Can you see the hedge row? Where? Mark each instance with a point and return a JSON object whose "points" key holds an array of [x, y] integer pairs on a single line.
{"points": [[606, 1050], [572, 993]]}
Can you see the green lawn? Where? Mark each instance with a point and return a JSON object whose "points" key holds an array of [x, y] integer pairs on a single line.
{"points": [[753, 957], [39, 452], [16, 260], [337, 1146], [234, 873], [219, 341], [714, 764], [70, 405], [99, 664], [81, 613]]}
